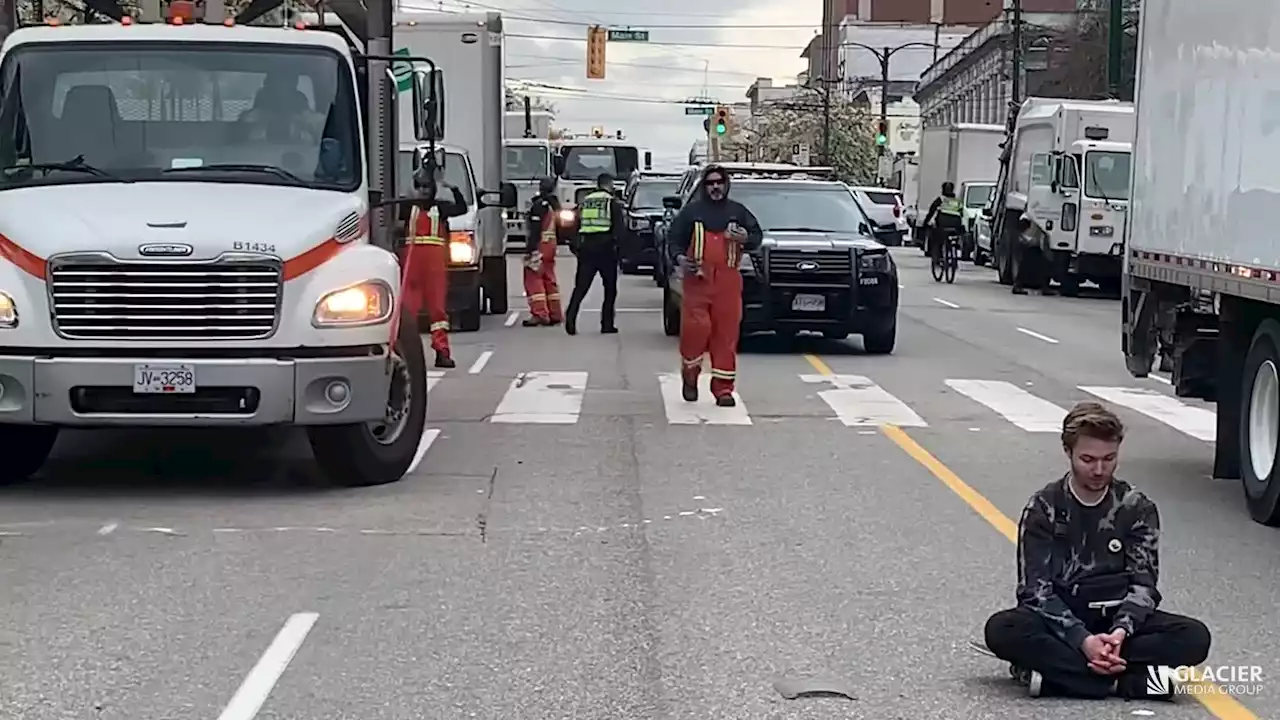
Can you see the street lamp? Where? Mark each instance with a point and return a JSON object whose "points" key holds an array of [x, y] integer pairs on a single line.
{"points": [[884, 54]]}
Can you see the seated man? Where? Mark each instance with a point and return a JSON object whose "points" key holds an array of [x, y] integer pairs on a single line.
{"points": [[1086, 624]]}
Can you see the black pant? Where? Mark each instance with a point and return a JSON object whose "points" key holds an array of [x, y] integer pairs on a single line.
{"points": [[1031, 271], [1022, 637], [592, 262], [938, 234]]}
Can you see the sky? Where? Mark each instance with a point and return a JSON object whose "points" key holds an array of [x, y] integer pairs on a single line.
{"points": [[643, 79]]}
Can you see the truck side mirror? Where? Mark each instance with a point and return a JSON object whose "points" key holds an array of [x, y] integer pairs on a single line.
{"points": [[648, 160], [506, 197], [671, 202], [557, 165], [428, 104]]}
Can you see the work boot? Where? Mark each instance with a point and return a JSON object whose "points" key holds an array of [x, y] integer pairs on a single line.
{"points": [[1030, 679], [535, 322], [571, 325], [689, 391], [444, 361], [726, 401], [609, 330]]}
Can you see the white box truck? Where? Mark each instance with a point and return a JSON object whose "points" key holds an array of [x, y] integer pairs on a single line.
{"points": [[1065, 190], [1201, 283], [468, 47], [527, 124]]}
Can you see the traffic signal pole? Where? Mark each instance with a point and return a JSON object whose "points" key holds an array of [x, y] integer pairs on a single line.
{"points": [[884, 55]]}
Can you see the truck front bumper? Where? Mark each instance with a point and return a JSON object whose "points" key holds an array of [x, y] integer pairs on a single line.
{"points": [[244, 391]]}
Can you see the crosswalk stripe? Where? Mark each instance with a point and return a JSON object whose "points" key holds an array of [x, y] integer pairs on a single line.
{"points": [[1197, 422], [547, 398], [858, 402], [1014, 404], [704, 411]]}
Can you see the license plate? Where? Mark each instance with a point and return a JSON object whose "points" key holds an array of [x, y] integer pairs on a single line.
{"points": [[164, 379], [869, 281], [809, 303]]}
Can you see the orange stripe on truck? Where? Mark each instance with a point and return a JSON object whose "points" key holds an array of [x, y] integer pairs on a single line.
{"points": [[25, 261]]}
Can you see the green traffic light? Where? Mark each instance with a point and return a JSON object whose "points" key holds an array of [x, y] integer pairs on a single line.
{"points": [[881, 139], [720, 129]]}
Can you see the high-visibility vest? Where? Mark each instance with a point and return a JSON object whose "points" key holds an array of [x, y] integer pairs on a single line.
{"points": [[732, 250], [595, 215], [425, 228], [951, 206]]}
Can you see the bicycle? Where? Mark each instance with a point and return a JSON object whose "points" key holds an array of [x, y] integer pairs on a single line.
{"points": [[945, 267]]}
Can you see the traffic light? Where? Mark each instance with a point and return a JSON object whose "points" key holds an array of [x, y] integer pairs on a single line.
{"points": [[882, 132], [596, 39], [722, 120]]}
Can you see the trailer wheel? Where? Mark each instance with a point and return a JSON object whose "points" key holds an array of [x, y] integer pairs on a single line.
{"points": [[26, 448], [382, 451], [1260, 424]]}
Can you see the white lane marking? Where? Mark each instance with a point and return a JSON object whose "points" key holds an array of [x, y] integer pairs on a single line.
{"points": [[433, 378], [702, 412], [428, 436], [947, 303], [901, 286], [1027, 411], [108, 528], [1037, 335], [478, 365], [858, 402], [512, 318], [1197, 422], [258, 684], [546, 398]]}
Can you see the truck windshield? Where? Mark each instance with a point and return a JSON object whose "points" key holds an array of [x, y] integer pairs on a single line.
{"points": [[801, 207], [526, 162], [978, 195], [150, 111], [1106, 175], [649, 193], [456, 174], [587, 162]]}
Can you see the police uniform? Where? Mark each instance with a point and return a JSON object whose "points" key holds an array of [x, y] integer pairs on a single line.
{"points": [[600, 219]]}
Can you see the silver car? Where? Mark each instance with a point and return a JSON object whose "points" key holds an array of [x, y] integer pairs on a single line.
{"points": [[884, 207]]}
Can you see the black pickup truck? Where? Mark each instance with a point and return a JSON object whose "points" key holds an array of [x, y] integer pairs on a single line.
{"points": [[819, 269]]}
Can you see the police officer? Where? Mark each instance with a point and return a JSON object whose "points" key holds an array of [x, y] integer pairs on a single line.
{"points": [[600, 220], [425, 258], [949, 215]]}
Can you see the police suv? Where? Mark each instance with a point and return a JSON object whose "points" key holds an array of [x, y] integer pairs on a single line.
{"points": [[819, 269]]}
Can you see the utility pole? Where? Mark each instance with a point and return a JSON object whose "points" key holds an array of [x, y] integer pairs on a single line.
{"points": [[824, 79], [1017, 51], [883, 55], [1115, 37]]}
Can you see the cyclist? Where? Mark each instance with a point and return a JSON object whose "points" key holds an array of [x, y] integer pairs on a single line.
{"points": [[948, 213]]}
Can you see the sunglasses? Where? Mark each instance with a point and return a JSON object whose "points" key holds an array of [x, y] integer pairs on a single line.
{"points": [[714, 183]]}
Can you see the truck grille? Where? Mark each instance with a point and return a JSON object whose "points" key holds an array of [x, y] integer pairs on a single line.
{"points": [[99, 298], [834, 266]]}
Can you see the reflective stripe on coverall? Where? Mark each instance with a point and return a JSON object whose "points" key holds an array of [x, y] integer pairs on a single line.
{"points": [[711, 312], [427, 282], [541, 285]]}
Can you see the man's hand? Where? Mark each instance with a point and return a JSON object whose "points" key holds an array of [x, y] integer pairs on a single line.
{"points": [[736, 232], [1103, 656]]}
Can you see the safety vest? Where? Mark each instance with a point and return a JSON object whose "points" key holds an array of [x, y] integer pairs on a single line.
{"points": [[732, 250], [951, 206], [425, 228], [596, 216]]}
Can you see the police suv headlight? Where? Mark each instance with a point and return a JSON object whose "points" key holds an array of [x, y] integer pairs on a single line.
{"points": [[367, 303], [1102, 231], [462, 248], [874, 262], [8, 312]]}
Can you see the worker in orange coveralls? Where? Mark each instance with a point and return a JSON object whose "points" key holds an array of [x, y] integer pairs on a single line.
{"points": [[426, 259], [707, 239], [540, 282]]}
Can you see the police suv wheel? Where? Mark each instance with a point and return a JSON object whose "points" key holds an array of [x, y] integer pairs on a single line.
{"points": [[670, 314], [881, 341], [381, 452], [26, 448]]}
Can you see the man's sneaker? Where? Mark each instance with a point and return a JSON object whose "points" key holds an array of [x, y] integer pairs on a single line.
{"points": [[1032, 680], [571, 326], [726, 401], [609, 330], [535, 322]]}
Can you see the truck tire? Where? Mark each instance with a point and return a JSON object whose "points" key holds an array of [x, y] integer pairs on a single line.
{"points": [[26, 448], [882, 340], [467, 319], [494, 281], [381, 452], [1259, 427], [670, 314]]}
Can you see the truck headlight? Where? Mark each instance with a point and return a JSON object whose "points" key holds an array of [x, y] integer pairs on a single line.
{"points": [[462, 248], [367, 303], [8, 311], [1102, 231], [567, 217], [876, 263]]}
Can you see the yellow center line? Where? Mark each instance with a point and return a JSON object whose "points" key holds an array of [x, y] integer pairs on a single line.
{"points": [[1215, 699]]}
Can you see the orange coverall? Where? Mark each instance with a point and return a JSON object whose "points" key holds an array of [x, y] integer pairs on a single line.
{"points": [[426, 262], [541, 285], [711, 312]]}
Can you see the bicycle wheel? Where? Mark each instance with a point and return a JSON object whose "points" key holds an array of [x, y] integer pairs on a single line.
{"points": [[937, 264], [951, 263]]}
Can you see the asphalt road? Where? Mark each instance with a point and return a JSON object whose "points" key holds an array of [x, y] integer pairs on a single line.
{"points": [[572, 548]]}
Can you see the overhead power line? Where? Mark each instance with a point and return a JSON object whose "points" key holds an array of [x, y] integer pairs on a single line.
{"points": [[612, 63], [651, 43]]}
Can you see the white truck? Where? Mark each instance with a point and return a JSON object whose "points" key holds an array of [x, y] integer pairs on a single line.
{"points": [[580, 161], [532, 124], [1064, 188], [906, 177], [1201, 285], [967, 155], [468, 46], [200, 232], [527, 162]]}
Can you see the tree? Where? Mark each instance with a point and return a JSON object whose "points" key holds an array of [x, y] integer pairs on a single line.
{"points": [[780, 126], [515, 101]]}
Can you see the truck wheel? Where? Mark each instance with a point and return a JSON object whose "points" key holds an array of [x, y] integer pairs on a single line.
{"points": [[26, 448], [381, 451], [1069, 285], [468, 318], [1260, 424], [670, 314], [881, 341], [494, 282]]}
